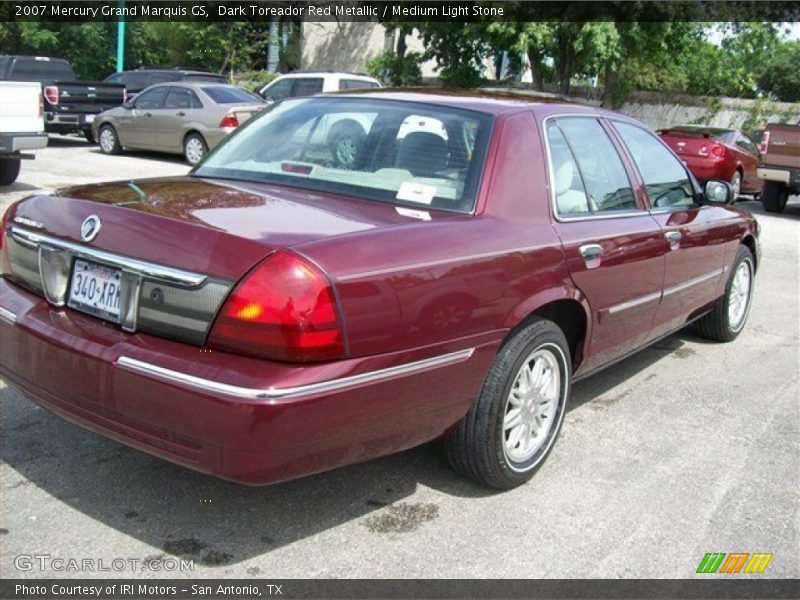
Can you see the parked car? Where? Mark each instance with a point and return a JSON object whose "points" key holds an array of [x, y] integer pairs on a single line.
{"points": [[137, 80], [182, 118], [780, 165], [21, 126], [716, 153], [307, 83], [70, 105], [220, 320]]}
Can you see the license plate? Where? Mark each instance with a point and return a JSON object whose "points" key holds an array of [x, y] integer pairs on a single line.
{"points": [[94, 289]]}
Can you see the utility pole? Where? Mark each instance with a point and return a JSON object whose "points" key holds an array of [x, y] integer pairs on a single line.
{"points": [[121, 40]]}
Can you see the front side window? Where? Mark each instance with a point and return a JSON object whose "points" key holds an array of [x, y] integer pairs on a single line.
{"points": [[278, 90], [151, 99], [665, 180], [368, 148], [586, 163]]}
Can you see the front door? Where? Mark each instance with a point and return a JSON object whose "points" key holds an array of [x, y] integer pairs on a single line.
{"points": [[136, 129], [696, 234], [614, 249], [180, 107]]}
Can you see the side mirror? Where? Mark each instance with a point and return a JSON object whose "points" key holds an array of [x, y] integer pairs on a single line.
{"points": [[718, 192]]}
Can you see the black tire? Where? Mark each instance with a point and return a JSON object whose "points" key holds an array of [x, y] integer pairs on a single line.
{"points": [[717, 325], [192, 145], [9, 170], [109, 140], [774, 196], [87, 133], [476, 448]]}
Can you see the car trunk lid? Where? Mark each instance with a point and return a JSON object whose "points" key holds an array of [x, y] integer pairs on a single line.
{"points": [[690, 144], [782, 146]]}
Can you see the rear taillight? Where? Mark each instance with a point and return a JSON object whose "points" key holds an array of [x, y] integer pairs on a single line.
{"points": [[762, 147], [717, 150], [51, 94], [284, 309], [229, 120]]}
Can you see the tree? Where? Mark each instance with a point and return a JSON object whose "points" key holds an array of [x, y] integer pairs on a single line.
{"points": [[780, 76]]}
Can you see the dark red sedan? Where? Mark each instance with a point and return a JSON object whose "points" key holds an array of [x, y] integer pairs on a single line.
{"points": [[289, 307], [715, 153]]}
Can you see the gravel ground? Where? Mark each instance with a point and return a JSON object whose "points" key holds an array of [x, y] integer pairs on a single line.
{"points": [[686, 448]]}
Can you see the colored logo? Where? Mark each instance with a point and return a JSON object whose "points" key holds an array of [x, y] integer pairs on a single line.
{"points": [[734, 563]]}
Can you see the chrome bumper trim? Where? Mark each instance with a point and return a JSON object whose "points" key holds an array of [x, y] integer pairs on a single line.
{"points": [[277, 394], [144, 268], [7, 315]]}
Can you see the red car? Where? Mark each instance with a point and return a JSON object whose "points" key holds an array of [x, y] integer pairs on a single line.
{"points": [[283, 310], [714, 153]]}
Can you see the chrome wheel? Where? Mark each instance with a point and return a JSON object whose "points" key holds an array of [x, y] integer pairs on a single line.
{"points": [[736, 184], [108, 140], [194, 150], [531, 406], [739, 295]]}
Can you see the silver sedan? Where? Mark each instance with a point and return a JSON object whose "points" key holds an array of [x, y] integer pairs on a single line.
{"points": [[181, 118]]}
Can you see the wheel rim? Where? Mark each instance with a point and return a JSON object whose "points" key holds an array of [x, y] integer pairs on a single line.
{"points": [[107, 140], [346, 151], [194, 150], [736, 183], [532, 406], [739, 295]]}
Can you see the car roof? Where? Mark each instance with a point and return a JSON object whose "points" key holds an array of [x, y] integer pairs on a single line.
{"points": [[194, 85], [489, 101], [342, 74]]}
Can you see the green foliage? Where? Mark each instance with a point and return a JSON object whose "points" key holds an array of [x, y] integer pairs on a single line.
{"points": [[396, 70], [253, 81], [780, 76]]}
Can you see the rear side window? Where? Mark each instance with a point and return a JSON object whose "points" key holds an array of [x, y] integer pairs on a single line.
{"points": [[227, 94], [600, 170], [30, 69], [182, 98], [665, 179], [136, 81], [205, 78], [306, 86], [356, 84]]}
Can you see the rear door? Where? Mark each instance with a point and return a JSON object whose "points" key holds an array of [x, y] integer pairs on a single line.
{"points": [[180, 107], [614, 249], [306, 86], [696, 235]]}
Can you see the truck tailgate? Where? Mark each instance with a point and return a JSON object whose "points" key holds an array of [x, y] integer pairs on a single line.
{"points": [[21, 111]]}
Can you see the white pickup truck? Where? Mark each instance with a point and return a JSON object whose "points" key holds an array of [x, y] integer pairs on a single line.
{"points": [[21, 125]]}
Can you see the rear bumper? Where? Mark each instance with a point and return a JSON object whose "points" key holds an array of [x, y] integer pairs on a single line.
{"points": [[18, 142], [68, 122], [787, 175], [238, 418]]}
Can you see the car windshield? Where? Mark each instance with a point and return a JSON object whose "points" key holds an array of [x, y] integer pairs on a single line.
{"points": [[227, 94], [400, 152]]}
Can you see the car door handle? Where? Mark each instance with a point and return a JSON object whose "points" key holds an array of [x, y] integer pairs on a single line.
{"points": [[590, 251], [673, 237], [180, 114]]}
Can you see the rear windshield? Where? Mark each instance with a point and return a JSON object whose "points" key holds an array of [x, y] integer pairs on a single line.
{"points": [[227, 94], [400, 152], [30, 69]]}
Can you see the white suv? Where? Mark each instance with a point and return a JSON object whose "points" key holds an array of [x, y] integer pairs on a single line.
{"points": [[308, 83]]}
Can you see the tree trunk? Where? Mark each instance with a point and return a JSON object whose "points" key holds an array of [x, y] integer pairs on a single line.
{"points": [[536, 72], [610, 84], [565, 69], [402, 46]]}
